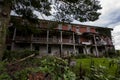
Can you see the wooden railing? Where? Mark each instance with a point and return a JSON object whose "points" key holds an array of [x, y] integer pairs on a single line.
{"points": [[19, 38], [52, 40], [41, 40]]}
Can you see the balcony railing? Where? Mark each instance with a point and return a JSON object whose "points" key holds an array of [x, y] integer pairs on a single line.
{"points": [[39, 40], [104, 42], [52, 40], [68, 41], [58, 41], [19, 38], [87, 43]]}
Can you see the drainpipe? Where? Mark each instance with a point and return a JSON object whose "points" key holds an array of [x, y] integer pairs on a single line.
{"points": [[13, 39], [97, 54]]}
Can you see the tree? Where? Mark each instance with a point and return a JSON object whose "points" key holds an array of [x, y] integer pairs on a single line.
{"points": [[64, 10]]}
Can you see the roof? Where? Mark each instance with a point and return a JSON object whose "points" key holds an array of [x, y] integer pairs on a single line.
{"points": [[70, 23]]}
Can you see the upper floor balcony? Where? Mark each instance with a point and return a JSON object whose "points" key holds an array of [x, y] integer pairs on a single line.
{"points": [[104, 42], [87, 43], [22, 39], [52, 40]]}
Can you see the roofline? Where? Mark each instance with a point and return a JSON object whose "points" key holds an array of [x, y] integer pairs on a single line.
{"points": [[71, 23]]}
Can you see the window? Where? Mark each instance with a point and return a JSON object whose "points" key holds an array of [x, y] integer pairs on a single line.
{"points": [[69, 27], [8, 47], [49, 49], [36, 48], [88, 29], [77, 29], [60, 26]]}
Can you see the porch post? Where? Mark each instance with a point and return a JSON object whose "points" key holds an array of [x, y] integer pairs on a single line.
{"points": [[97, 54], [74, 42], [31, 45], [61, 44], [47, 40], [86, 50], [13, 39]]}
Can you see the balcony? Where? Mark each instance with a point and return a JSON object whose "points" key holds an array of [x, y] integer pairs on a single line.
{"points": [[39, 40], [104, 42], [87, 43], [101, 42], [22, 39], [51, 40], [43, 40], [67, 41]]}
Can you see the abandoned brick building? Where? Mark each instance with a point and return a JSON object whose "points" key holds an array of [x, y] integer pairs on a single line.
{"points": [[57, 38]]}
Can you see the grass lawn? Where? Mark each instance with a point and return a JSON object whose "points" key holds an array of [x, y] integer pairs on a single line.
{"points": [[97, 61]]}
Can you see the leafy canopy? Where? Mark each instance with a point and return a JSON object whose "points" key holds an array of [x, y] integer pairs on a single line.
{"points": [[62, 10]]}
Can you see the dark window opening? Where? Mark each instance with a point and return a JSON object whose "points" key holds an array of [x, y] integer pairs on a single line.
{"points": [[91, 50], [36, 48], [8, 47], [49, 49], [80, 50]]}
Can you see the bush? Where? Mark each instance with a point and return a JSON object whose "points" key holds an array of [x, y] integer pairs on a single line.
{"points": [[110, 53], [57, 68], [3, 71], [52, 67], [5, 76]]}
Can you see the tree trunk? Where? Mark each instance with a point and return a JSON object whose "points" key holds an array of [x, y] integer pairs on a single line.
{"points": [[4, 21]]}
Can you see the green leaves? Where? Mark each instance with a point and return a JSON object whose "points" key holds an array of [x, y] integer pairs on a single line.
{"points": [[82, 10], [64, 10], [57, 68]]}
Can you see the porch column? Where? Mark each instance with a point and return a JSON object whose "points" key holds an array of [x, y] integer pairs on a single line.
{"points": [[61, 44], [31, 44], [106, 51], [13, 39], [85, 49], [97, 54], [47, 40], [74, 42]]}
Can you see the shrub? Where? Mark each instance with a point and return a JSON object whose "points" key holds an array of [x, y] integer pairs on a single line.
{"points": [[57, 68], [111, 53], [5, 76], [3, 71], [50, 66]]}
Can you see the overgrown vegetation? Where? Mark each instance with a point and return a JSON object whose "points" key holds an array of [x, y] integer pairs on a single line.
{"points": [[51, 67], [54, 68], [98, 69]]}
